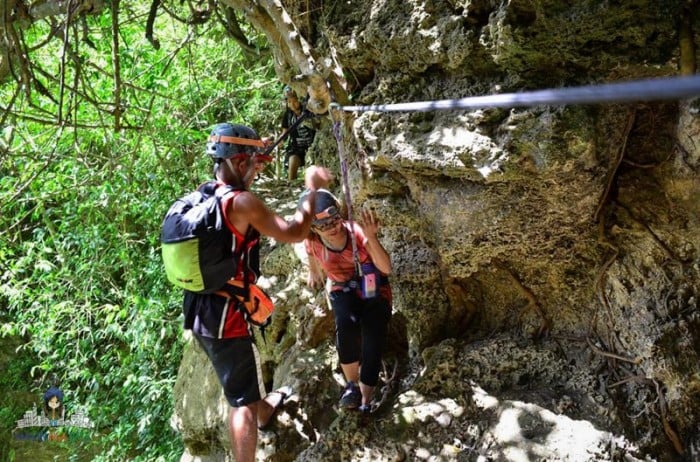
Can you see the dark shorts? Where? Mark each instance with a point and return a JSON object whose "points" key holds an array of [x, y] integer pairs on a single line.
{"points": [[300, 153], [238, 366], [361, 328]]}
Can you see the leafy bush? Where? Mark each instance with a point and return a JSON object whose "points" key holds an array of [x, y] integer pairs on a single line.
{"points": [[81, 206]]}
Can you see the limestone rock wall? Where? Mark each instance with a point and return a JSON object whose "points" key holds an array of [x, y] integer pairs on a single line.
{"points": [[546, 259]]}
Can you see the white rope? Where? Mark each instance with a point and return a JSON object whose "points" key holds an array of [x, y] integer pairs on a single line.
{"points": [[668, 88]]}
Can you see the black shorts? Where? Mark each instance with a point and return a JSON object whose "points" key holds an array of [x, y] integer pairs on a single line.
{"points": [[300, 153], [361, 328], [238, 366]]}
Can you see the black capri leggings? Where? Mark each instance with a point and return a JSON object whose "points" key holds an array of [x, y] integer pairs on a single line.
{"points": [[360, 331]]}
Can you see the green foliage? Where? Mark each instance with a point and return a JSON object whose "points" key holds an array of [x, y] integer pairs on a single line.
{"points": [[13, 380], [81, 205]]}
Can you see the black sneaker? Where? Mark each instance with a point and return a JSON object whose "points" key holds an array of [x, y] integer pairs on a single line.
{"points": [[351, 397]]}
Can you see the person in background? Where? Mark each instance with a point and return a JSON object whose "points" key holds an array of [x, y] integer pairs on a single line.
{"points": [[218, 326], [361, 303], [300, 137]]}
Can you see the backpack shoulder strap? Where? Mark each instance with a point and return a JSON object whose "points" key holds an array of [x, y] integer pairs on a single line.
{"points": [[223, 190], [208, 188], [225, 194]]}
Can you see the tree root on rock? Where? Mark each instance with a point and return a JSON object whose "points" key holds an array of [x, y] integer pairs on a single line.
{"points": [[669, 253], [668, 429], [389, 380], [607, 354], [532, 303], [612, 175], [670, 432]]}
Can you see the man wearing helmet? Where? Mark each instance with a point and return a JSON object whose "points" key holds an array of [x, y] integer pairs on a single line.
{"points": [[300, 137], [217, 325]]}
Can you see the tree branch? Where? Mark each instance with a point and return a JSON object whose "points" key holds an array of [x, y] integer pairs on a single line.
{"points": [[233, 30], [47, 9], [116, 66], [149, 24], [293, 56], [62, 75]]}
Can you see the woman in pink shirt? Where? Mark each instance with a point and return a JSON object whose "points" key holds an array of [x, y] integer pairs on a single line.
{"points": [[358, 290]]}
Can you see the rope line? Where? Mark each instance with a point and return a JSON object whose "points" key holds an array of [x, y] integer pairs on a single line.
{"points": [[667, 88], [346, 190]]}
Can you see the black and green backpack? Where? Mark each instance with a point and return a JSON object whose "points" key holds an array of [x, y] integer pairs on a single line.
{"points": [[196, 244]]}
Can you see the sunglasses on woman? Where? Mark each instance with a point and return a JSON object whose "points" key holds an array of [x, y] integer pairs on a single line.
{"points": [[328, 223]]}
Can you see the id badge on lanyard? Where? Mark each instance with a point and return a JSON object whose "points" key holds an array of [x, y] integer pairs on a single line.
{"points": [[369, 281]]}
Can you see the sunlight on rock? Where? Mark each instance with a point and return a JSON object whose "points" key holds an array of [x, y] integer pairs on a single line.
{"points": [[422, 453], [486, 170], [417, 409], [318, 311], [483, 399], [526, 429], [402, 147], [300, 252], [451, 450], [369, 455], [266, 282], [410, 397], [297, 419], [508, 428], [455, 137], [514, 454], [491, 162]]}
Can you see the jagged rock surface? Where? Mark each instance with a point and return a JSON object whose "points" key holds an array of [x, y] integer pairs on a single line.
{"points": [[546, 259]]}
